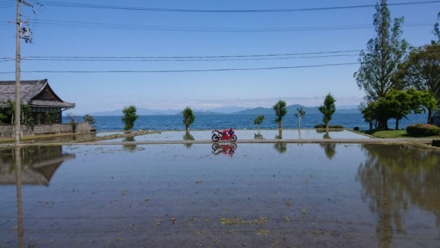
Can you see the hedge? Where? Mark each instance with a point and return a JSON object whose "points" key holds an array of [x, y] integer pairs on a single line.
{"points": [[419, 130], [321, 126]]}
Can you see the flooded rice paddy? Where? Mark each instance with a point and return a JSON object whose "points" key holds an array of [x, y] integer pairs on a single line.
{"points": [[242, 135], [199, 195]]}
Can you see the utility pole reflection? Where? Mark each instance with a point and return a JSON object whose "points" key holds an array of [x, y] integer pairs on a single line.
{"points": [[19, 197]]}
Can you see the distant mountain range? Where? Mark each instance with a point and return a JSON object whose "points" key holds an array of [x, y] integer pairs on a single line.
{"points": [[227, 110]]}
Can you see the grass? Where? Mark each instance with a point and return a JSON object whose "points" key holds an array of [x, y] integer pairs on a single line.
{"points": [[388, 133]]}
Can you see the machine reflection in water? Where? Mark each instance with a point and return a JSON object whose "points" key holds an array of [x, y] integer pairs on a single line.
{"points": [[225, 148]]}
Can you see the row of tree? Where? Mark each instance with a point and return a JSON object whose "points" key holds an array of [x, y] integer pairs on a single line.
{"points": [[327, 109], [129, 117], [398, 79]]}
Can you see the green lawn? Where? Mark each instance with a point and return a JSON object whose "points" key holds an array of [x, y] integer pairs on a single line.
{"points": [[388, 133]]}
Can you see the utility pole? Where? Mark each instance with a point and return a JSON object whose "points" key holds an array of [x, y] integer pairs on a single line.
{"points": [[26, 36], [17, 76]]}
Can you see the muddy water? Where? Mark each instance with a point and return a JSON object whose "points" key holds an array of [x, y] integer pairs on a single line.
{"points": [[261, 195]]}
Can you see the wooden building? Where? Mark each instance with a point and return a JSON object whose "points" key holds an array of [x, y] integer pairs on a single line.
{"points": [[38, 94]]}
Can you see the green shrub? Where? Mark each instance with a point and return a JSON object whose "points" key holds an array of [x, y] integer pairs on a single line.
{"points": [[420, 130], [322, 126]]}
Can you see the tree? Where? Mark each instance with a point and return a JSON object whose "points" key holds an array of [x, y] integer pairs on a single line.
{"points": [[299, 115], [328, 109], [369, 111], [129, 117], [384, 53], [258, 120], [398, 104], [436, 30], [280, 112], [422, 71], [7, 113], [188, 118], [89, 119], [50, 117]]}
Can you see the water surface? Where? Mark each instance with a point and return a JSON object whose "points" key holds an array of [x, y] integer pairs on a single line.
{"points": [[262, 195], [243, 135]]}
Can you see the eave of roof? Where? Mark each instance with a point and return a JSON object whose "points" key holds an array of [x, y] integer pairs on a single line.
{"points": [[50, 104]]}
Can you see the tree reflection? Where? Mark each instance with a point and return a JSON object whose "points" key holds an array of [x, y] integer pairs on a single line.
{"points": [[392, 177], [188, 136], [281, 147], [330, 149], [130, 146]]}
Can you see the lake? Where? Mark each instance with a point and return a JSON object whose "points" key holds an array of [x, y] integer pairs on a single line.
{"points": [[261, 195], [210, 122]]}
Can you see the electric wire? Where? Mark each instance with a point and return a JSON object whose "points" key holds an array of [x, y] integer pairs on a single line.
{"points": [[55, 23], [214, 58], [195, 58], [186, 70], [116, 7]]}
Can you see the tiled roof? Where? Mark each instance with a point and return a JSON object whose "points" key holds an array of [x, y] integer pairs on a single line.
{"points": [[28, 90]]}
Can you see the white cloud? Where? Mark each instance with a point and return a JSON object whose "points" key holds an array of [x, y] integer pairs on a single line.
{"points": [[207, 104], [248, 103]]}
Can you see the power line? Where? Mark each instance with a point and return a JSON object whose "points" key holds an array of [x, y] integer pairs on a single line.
{"points": [[115, 7], [240, 57], [195, 58], [7, 4], [180, 60], [208, 29], [188, 70], [269, 56]]}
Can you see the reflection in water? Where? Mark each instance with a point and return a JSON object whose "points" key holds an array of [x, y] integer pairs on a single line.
{"points": [[19, 197], [188, 136], [67, 138], [314, 202], [281, 147], [225, 148], [38, 164], [127, 146], [34, 165], [330, 149], [392, 181]]}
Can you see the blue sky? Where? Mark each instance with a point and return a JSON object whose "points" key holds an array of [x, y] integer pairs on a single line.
{"points": [[316, 49]]}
